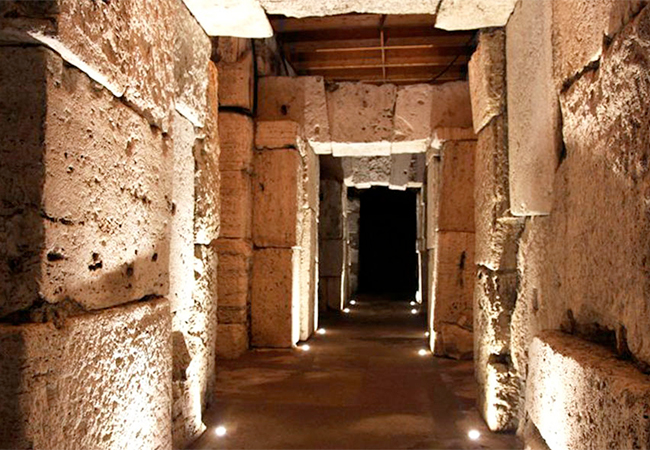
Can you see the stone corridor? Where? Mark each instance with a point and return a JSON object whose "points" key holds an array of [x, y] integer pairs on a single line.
{"points": [[361, 385]]}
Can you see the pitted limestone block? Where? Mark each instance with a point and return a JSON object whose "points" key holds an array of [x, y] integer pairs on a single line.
{"points": [[499, 395], [412, 119], [228, 315], [581, 29], [277, 193], [311, 178], [274, 134], [232, 340], [331, 257], [308, 273], [487, 77], [242, 18], [367, 171], [110, 248], [453, 341], [236, 205], [330, 293], [235, 259], [454, 278], [275, 309], [181, 247], [442, 135], [301, 100], [305, 8], [192, 50], [451, 106], [236, 82], [581, 395], [434, 172], [230, 49], [237, 141], [533, 119], [473, 14], [456, 198], [97, 37], [331, 209], [361, 118], [52, 397], [399, 171], [497, 230], [417, 171], [207, 175]]}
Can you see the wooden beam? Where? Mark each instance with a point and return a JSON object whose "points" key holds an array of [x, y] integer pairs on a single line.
{"points": [[370, 44]]}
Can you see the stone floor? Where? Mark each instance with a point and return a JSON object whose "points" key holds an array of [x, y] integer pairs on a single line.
{"points": [[362, 385]]}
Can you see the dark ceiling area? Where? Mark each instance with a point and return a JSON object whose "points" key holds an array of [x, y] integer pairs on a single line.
{"points": [[399, 49]]}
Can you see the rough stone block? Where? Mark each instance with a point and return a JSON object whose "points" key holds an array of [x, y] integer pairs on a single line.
{"points": [[361, 119], [456, 198], [331, 258], [331, 209], [487, 77], [434, 169], [412, 132], [277, 134], [454, 341], [228, 315], [309, 249], [330, 291], [305, 8], [316, 124], [499, 395], [497, 230], [442, 135], [454, 275], [192, 50], [235, 258], [275, 308], [451, 106], [236, 82], [236, 135], [232, 340], [276, 196], [113, 246], [311, 178], [580, 30], [236, 205], [580, 395], [366, 171], [52, 396], [94, 38], [243, 18], [533, 119], [473, 14], [207, 176]]}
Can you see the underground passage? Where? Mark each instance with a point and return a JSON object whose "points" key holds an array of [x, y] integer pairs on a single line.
{"points": [[341, 224]]}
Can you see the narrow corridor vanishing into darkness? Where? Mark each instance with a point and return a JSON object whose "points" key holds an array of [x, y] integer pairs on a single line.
{"points": [[362, 384]]}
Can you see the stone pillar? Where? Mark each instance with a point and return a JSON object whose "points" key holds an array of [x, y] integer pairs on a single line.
{"points": [[497, 234], [353, 222], [278, 187], [332, 232], [451, 248]]}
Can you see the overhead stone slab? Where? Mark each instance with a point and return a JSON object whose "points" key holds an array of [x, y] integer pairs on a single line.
{"points": [[412, 119], [238, 18], [310, 8], [367, 171], [473, 14]]}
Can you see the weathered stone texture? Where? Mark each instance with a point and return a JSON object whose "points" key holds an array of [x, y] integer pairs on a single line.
{"points": [[580, 395], [236, 82], [192, 50], [487, 77], [533, 119], [434, 168], [132, 58], [277, 191], [361, 113], [52, 396], [366, 171], [331, 209], [232, 340], [235, 256], [243, 18], [111, 248], [456, 197], [207, 176], [237, 141], [275, 310], [473, 14], [304, 8], [277, 134], [451, 106], [236, 205], [412, 133], [581, 28]]}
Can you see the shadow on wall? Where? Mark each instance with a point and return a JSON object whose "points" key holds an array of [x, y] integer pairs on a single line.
{"points": [[388, 232]]}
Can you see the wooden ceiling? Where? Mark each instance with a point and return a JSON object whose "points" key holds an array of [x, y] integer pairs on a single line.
{"points": [[375, 48]]}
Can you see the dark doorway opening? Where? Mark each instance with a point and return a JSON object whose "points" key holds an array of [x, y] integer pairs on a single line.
{"points": [[387, 248]]}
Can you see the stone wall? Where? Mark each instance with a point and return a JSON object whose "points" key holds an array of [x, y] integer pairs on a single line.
{"points": [[332, 250], [108, 199]]}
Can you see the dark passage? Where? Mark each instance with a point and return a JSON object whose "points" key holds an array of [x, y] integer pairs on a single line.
{"points": [[387, 257]]}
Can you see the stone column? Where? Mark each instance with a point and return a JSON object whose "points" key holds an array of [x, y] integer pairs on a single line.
{"points": [[332, 231]]}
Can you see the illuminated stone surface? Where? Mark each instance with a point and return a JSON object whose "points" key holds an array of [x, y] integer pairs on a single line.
{"points": [[236, 140], [103, 377], [236, 204], [242, 18], [236, 81], [473, 14]]}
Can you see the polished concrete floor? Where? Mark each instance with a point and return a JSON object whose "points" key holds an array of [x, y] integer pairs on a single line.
{"points": [[361, 385]]}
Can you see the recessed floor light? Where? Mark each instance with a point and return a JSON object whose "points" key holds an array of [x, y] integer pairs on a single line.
{"points": [[220, 431], [321, 331], [423, 352], [353, 302], [413, 303], [305, 348], [346, 310], [414, 311], [427, 334], [474, 435]]}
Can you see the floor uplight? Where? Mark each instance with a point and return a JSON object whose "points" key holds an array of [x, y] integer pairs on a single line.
{"points": [[414, 311], [353, 302], [220, 431], [474, 435], [321, 331], [413, 303], [427, 334], [346, 310], [305, 348], [423, 352]]}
